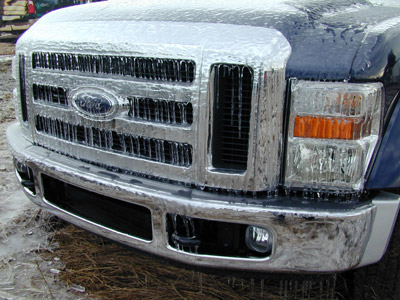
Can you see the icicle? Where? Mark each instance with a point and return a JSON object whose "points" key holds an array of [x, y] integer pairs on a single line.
{"points": [[148, 110], [240, 101], [137, 107], [262, 287], [173, 114], [138, 149], [285, 291], [160, 149], [85, 135], [187, 158], [168, 112], [232, 99], [181, 112], [181, 155], [191, 222], [139, 68], [176, 70], [130, 111], [187, 71], [160, 111], [164, 71], [216, 83], [130, 145], [176, 147], [333, 289], [201, 282], [157, 111], [163, 152]]}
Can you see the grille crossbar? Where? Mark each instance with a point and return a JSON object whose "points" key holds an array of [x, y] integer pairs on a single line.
{"points": [[163, 151]]}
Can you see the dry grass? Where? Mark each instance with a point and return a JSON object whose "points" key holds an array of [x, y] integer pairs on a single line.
{"points": [[7, 48], [110, 271]]}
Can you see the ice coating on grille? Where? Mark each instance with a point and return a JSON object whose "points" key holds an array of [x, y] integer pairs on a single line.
{"points": [[159, 76]]}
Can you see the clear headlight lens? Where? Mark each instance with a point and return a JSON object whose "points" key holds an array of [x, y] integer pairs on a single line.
{"points": [[333, 130]]}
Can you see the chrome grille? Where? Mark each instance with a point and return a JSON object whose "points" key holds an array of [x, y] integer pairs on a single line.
{"points": [[176, 70], [163, 151]]}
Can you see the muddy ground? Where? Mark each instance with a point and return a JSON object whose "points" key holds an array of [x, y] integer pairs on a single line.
{"points": [[44, 258]]}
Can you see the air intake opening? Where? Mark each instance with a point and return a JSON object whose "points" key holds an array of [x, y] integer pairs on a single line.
{"points": [[124, 217], [231, 116], [206, 237], [162, 69], [25, 176], [22, 87], [50, 94]]}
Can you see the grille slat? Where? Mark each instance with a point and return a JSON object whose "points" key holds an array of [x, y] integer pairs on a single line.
{"points": [[161, 69], [231, 119], [50, 94], [163, 151], [161, 111]]}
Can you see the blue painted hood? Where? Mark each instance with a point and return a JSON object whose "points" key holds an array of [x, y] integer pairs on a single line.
{"points": [[325, 35]]}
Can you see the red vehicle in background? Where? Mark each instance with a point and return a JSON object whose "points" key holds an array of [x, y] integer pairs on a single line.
{"points": [[19, 15]]}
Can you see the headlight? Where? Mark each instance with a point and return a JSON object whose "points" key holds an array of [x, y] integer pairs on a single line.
{"points": [[333, 130]]}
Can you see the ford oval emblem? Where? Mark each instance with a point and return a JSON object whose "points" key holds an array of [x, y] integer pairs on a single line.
{"points": [[94, 103]]}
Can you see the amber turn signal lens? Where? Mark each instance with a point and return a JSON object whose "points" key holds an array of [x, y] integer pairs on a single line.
{"points": [[327, 128]]}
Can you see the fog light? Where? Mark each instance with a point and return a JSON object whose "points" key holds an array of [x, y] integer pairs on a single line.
{"points": [[259, 239]]}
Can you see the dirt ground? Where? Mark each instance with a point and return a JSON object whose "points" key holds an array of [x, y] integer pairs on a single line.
{"points": [[43, 258], [25, 230]]}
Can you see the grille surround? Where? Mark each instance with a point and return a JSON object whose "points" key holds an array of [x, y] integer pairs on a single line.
{"points": [[213, 46]]}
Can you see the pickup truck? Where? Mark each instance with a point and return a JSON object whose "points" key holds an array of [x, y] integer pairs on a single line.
{"points": [[256, 136]]}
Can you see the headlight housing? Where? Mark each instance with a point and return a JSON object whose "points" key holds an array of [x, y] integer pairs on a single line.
{"points": [[332, 132]]}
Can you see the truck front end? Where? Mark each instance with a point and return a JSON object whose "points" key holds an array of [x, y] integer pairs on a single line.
{"points": [[190, 140]]}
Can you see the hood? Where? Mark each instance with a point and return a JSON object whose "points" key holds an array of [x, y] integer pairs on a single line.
{"points": [[325, 35]]}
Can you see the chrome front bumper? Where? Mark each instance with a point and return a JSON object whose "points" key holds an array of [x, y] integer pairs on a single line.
{"points": [[305, 240]]}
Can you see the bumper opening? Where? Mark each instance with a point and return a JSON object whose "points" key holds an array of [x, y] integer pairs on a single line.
{"points": [[25, 176], [207, 237], [127, 218]]}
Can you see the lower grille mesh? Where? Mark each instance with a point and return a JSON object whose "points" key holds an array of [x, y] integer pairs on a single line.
{"points": [[163, 151]]}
